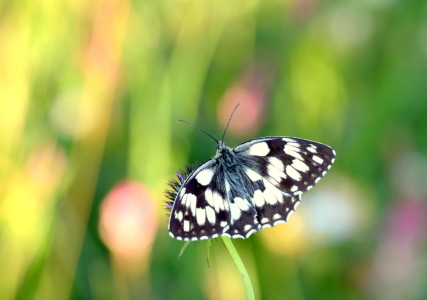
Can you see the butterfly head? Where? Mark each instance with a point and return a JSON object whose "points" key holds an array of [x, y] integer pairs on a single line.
{"points": [[220, 145], [224, 153], [220, 148]]}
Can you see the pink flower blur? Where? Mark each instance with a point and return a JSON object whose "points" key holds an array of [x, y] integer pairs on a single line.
{"points": [[407, 221], [128, 222], [250, 92], [397, 269]]}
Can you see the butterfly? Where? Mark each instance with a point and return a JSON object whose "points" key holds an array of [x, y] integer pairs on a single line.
{"points": [[256, 185]]}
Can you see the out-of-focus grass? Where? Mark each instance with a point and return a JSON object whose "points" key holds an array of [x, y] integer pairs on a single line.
{"points": [[90, 93]]}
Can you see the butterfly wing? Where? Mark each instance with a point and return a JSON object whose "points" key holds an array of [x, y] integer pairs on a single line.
{"points": [[292, 165], [279, 170], [200, 209], [263, 206]]}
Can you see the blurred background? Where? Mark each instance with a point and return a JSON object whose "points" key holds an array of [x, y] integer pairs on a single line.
{"points": [[90, 92]]}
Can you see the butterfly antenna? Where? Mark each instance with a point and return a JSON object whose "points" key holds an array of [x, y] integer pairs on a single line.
{"points": [[222, 140], [199, 129]]}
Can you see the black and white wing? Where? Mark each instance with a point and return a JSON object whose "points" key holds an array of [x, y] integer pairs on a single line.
{"points": [[280, 169], [200, 207], [292, 165]]}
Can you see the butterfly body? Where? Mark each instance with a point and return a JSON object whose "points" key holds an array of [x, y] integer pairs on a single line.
{"points": [[244, 189]]}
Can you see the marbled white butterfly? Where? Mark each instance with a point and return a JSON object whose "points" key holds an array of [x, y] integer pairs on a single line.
{"points": [[256, 185]]}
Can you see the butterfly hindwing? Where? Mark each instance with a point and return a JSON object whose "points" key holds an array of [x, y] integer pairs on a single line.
{"points": [[243, 213], [269, 205]]}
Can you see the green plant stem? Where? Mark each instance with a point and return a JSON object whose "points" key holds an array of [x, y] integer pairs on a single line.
{"points": [[208, 249], [183, 249], [236, 258]]}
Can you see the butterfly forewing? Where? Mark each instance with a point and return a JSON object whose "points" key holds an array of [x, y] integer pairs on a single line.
{"points": [[293, 165]]}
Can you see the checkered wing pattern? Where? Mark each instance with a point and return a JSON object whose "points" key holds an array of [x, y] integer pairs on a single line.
{"points": [[256, 185]]}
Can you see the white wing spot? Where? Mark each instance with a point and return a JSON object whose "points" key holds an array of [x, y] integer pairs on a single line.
{"points": [[218, 201], [277, 163], [180, 216], [300, 166], [259, 149], [191, 202], [205, 176], [312, 149], [269, 197], [276, 193], [223, 223], [274, 173], [317, 159], [250, 232], [333, 152], [293, 144], [289, 215], [294, 188], [247, 227], [241, 203], [276, 217], [323, 173], [227, 186], [291, 151], [259, 198], [252, 175], [210, 214], [288, 140], [235, 211], [296, 205], [186, 225], [209, 197], [184, 198], [264, 220], [317, 179], [278, 222], [293, 173], [309, 187], [201, 216]]}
